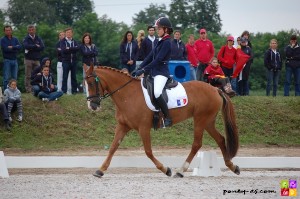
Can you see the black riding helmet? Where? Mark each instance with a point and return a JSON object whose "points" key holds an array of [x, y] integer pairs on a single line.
{"points": [[164, 22]]}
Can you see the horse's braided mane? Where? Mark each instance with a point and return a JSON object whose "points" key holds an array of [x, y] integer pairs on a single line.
{"points": [[119, 71]]}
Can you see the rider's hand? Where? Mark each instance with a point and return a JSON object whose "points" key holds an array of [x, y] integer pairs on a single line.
{"points": [[139, 72]]}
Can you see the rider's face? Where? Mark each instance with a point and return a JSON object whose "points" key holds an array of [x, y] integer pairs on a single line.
{"points": [[160, 31]]}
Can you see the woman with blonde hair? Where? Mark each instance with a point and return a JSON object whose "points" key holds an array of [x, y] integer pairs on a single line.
{"points": [[140, 55]]}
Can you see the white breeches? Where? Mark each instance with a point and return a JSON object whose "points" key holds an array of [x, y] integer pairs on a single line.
{"points": [[159, 84]]}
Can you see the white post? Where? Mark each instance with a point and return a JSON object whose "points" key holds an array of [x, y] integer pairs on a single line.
{"points": [[3, 167], [208, 164]]}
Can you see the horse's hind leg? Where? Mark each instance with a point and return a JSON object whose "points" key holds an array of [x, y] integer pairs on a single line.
{"points": [[146, 138], [120, 132], [197, 144], [220, 140]]}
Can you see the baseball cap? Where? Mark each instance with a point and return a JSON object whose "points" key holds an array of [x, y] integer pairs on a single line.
{"points": [[202, 30], [231, 38], [243, 39]]}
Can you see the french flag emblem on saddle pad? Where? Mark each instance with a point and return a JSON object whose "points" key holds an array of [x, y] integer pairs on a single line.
{"points": [[177, 97]]}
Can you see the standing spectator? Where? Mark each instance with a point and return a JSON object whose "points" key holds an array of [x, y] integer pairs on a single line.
{"points": [[128, 52], [292, 64], [246, 35], [205, 51], [238, 43], [216, 77], [12, 97], [191, 56], [227, 57], [234, 83], [273, 63], [48, 90], [243, 81], [139, 39], [89, 53], [178, 50], [149, 42], [59, 69], [69, 48], [3, 111], [33, 45], [10, 47]]}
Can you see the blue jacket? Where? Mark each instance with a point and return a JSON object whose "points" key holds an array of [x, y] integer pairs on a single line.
{"points": [[272, 61], [178, 50], [32, 51], [156, 63], [293, 56], [125, 52], [89, 55], [147, 46], [45, 84], [10, 53], [58, 52], [69, 55]]}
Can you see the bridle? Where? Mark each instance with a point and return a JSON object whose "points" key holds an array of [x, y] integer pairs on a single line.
{"points": [[98, 96]]}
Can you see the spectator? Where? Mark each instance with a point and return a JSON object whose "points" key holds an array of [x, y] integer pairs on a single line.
{"points": [[33, 45], [59, 69], [227, 57], [238, 41], [128, 52], [48, 91], [12, 97], [292, 64], [243, 81], [69, 48], [139, 39], [89, 53], [191, 56], [216, 77], [273, 63], [10, 47], [38, 71], [234, 83], [178, 50], [246, 34], [149, 42], [156, 64], [3, 111], [205, 51]]}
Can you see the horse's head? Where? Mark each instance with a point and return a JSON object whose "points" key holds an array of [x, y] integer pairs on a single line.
{"points": [[93, 88]]}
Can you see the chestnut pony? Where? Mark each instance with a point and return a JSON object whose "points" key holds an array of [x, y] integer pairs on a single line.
{"points": [[204, 103]]}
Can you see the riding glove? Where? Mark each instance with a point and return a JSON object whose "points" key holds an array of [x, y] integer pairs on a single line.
{"points": [[139, 72]]}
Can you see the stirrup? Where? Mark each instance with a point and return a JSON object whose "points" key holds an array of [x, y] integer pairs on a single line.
{"points": [[167, 122]]}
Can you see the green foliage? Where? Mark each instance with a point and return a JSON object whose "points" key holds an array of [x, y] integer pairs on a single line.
{"points": [[48, 11], [150, 14]]}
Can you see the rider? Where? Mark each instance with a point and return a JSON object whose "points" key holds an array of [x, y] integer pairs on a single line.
{"points": [[156, 64]]}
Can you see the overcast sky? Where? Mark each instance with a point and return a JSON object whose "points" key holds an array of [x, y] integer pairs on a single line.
{"points": [[237, 16]]}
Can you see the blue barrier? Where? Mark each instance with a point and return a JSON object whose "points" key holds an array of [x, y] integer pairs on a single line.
{"points": [[180, 70]]}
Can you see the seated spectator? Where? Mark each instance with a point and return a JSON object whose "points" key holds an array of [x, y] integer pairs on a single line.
{"points": [[12, 97], [3, 111], [48, 91], [37, 72], [215, 76]]}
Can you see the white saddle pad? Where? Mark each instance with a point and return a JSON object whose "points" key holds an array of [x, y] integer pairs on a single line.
{"points": [[177, 97]]}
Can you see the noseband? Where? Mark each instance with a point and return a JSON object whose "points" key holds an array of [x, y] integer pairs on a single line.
{"points": [[98, 96]]}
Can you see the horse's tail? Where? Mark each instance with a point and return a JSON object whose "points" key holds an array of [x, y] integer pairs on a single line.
{"points": [[232, 137]]}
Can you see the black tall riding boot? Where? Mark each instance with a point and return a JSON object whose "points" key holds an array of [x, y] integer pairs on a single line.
{"points": [[164, 108]]}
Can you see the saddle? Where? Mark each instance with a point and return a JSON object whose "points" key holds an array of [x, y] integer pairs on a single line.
{"points": [[148, 83]]}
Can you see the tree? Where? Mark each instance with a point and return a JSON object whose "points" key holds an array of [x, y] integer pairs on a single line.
{"points": [[178, 14], [150, 14], [204, 14], [47, 11]]}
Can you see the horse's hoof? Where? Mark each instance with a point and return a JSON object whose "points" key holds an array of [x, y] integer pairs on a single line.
{"points": [[98, 174], [169, 172], [178, 175], [237, 170]]}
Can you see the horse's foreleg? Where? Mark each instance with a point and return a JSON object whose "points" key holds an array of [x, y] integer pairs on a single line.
{"points": [[120, 132], [146, 138], [220, 140], [197, 144]]}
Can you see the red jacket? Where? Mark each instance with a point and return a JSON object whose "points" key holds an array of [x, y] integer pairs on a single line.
{"points": [[191, 54], [205, 50], [213, 72], [227, 56]]}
